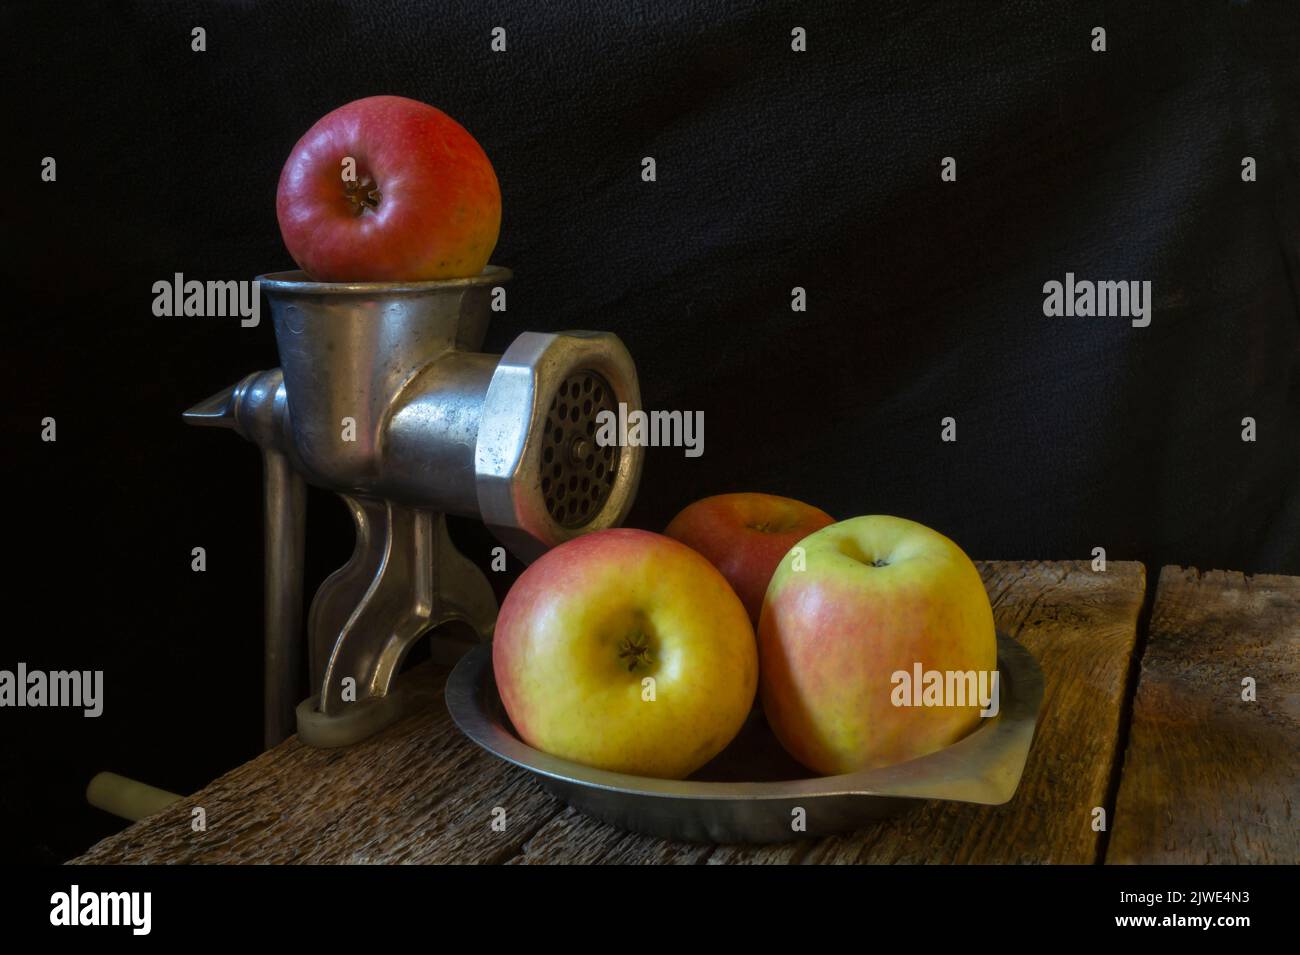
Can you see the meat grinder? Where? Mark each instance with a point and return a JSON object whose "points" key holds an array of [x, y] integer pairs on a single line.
{"points": [[383, 396]]}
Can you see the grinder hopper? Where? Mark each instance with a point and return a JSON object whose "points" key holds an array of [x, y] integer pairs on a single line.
{"points": [[383, 396]]}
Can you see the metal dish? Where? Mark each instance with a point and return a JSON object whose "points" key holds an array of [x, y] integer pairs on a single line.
{"points": [[751, 791]]}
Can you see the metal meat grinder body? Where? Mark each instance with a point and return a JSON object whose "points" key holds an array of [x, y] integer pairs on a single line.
{"points": [[383, 396]]}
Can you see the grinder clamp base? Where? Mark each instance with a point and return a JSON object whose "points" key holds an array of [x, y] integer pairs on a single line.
{"points": [[405, 578]]}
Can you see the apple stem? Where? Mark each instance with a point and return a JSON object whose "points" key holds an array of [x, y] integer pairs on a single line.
{"points": [[635, 650], [363, 194]]}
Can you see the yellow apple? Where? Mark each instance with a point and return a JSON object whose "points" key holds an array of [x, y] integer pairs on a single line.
{"points": [[627, 651], [849, 609]]}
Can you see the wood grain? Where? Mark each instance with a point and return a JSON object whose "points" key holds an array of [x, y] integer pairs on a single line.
{"points": [[420, 792], [1207, 776], [417, 792]]}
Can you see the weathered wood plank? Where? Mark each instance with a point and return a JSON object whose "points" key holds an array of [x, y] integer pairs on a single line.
{"points": [[571, 837], [419, 792], [1209, 777]]}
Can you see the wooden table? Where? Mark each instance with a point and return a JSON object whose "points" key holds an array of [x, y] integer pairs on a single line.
{"points": [[1146, 752]]}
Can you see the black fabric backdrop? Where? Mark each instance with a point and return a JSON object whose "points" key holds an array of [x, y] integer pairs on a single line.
{"points": [[775, 169]]}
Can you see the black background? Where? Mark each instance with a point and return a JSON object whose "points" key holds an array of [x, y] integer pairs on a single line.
{"points": [[775, 169]]}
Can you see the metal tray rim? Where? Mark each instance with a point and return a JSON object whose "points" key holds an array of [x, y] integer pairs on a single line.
{"points": [[983, 767]]}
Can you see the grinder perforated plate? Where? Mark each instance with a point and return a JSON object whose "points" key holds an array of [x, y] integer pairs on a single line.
{"points": [[577, 472], [542, 475]]}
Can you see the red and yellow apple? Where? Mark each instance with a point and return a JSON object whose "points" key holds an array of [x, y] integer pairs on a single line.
{"points": [[387, 189], [627, 651], [851, 606], [745, 536]]}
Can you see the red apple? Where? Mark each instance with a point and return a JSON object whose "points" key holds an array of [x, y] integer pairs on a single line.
{"points": [[850, 616], [745, 536], [626, 651], [386, 189]]}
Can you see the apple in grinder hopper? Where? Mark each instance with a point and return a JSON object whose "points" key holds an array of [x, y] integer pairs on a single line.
{"points": [[387, 189]]}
